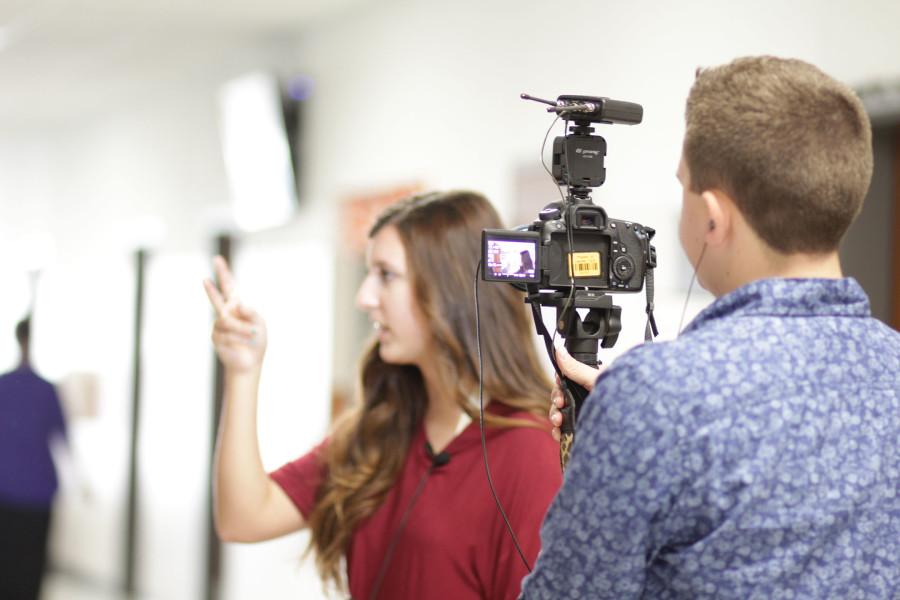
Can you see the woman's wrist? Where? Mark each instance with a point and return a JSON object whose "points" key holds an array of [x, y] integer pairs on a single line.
{"points": [[243, 377]]}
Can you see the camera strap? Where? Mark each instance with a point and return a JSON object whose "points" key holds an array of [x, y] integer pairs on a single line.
{"points": [[548, 339], [650, 331]]}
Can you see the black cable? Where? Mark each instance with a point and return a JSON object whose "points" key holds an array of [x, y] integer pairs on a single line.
{"points": [[487, 468], [562, 196], [571, 240], [392, 545], [690, 287], [544, 164]]}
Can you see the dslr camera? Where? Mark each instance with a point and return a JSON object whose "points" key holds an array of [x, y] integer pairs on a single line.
{"points": [[574, 255]]}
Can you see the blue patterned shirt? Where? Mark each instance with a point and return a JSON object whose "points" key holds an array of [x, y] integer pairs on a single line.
{"points": [[756, 456]]}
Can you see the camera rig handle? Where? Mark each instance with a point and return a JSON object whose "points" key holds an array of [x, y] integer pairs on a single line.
{"points": [[575, 396], [600, 326]]}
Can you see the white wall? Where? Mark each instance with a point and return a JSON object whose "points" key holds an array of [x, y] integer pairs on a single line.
{"points": [[430, 90], [405, 91], [150, 175]]}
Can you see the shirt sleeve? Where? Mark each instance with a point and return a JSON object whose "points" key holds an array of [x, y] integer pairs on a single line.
{"points": [[300, 479], [620, 481], [57, 423], [532, 465]]}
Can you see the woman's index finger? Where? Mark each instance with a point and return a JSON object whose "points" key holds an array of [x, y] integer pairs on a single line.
{"points": [[215, 297], [226, 279]]}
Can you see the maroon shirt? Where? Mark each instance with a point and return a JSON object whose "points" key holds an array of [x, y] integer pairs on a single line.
{"points": [[455, 544]]}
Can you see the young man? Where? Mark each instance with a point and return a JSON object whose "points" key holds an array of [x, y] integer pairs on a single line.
{"points": [[757, 455]]}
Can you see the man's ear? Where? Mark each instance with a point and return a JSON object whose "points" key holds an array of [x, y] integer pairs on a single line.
{"points": [[719, 207]]}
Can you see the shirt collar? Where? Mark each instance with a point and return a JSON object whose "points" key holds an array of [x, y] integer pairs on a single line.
{"points": [[789, 298]]}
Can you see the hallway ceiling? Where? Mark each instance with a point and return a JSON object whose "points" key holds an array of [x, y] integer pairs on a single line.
{"points": [[60, 60]]}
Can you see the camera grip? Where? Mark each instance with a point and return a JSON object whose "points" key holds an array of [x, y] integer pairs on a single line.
{"points": [[575, 395]]}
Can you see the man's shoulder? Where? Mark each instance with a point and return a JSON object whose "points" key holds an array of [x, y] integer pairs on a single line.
{"points": [[25, 375], [879, 332], [655, 366], [665, 387]]}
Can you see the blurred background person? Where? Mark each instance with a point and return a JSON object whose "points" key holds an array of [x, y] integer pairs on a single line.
{"points": [[30, 418]]}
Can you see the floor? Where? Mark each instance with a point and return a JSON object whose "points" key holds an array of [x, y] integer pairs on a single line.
{"points": [[60, 586]]}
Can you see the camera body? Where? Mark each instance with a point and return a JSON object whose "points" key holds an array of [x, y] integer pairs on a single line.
{"points": [[571, 243]]}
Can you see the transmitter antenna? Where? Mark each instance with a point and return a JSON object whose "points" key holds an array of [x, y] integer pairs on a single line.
{"points": [[536, 99]]}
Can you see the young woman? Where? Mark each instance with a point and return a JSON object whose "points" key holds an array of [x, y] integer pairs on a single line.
{"points": [[396, 497]]}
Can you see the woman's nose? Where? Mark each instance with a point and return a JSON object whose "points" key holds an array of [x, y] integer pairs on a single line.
{"points": [[366, 296]]}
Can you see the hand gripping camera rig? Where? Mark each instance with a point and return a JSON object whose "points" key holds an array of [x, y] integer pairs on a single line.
{"points": [[573, 256]]}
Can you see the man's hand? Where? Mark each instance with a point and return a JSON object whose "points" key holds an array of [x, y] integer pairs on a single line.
{"points": [[578, 372]]}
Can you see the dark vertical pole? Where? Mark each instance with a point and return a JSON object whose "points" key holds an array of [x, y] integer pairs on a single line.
{"points": [[213, 547], [895, 251], [132, 508]]}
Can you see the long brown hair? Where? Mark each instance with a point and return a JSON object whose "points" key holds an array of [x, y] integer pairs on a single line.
{"points": [[441, 233]]}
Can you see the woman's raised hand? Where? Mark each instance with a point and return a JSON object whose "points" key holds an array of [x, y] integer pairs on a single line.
{"points": [[239, 333]]}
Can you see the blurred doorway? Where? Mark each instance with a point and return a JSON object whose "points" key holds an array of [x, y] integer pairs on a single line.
{"points": [[871, 249]]}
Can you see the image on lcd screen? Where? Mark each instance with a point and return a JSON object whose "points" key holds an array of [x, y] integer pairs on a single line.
{"points": [[510, 259]]}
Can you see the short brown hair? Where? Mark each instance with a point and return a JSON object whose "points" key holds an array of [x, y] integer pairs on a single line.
{"points": [[790, 145]]}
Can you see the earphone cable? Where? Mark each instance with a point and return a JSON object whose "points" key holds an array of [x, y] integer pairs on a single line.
{"points": [[690, 287]]}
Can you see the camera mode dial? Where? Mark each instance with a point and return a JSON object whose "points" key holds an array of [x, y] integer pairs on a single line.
{"points": [[623, 267]]}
